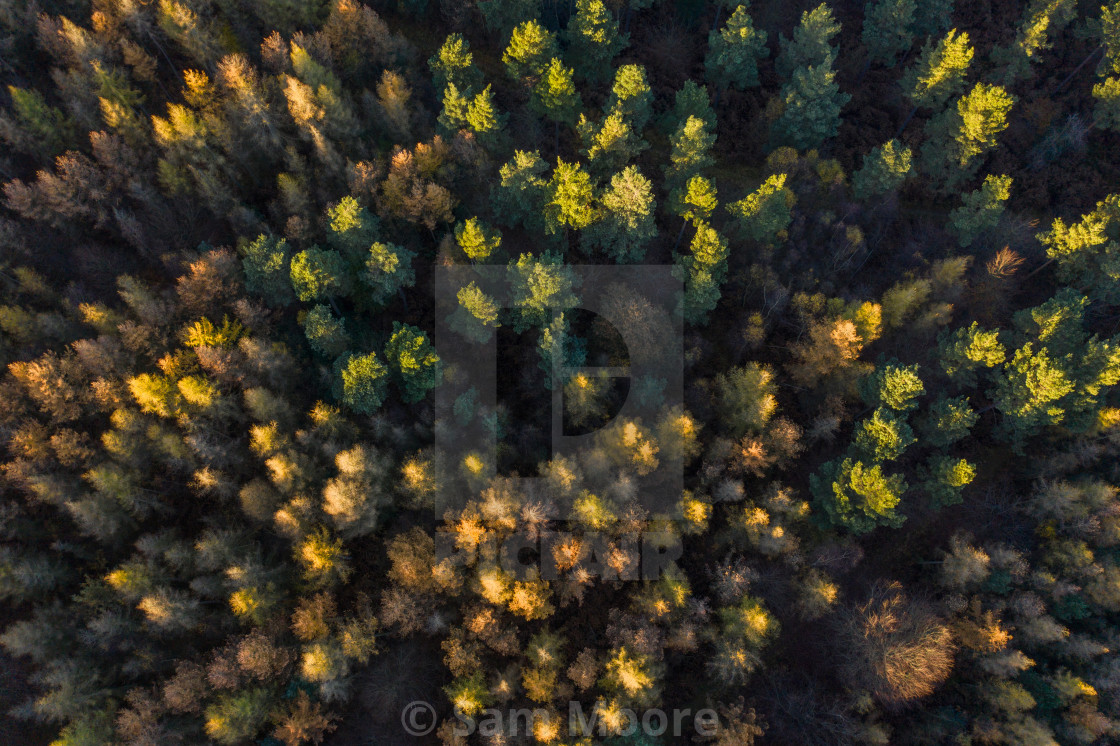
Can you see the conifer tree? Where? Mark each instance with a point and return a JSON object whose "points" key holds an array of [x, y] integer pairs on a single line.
{"points": [[627, 223], [764, 213], [266, 263], [593, 40], [611, 144], [388, 269], [360, 382], [413, 360], [540, 286], [530, 48], [968, 349], [734, 52], [319, 274], [568, 201], [1087, 252], [483, 118], [556, 98], [963, 133], [884, 170], [931, 17], [938, 73], [888, 29], [702, 271], [476, 316], [456, 104], [477, 240], [1042, 20], [453, 62], [325, 332], [692, 101], [631, 96], [981, 210], [519, 196], [811, 45], [502, 16], [690, 152], [695, 201], [858, 497], [811, 107]]}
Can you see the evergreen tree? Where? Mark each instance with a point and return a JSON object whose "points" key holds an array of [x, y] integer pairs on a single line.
{"points": [[503, 16], [388, 269], [568, 201], [967, 350], [947, 421], [981, 210], [477, 240], [539, 287], [631, 97], [1043, 19], [1088, 252], [948, 477], [734, 52], [932, 17], [353, 229], [1106, 112], [811, 107], [811, 45], [483, 118], [938, 73], [692, 101], [888, 29], [476, 316], [893, 386], [520, 195], [319, 274], [690, 151], [456, 104], [556, 98], [530, 49], [964, 132], [884, 170], [593, 40], [414, 362], [764, 214], [882, 437], [627, 221], [266, 263], [858, 497], [611, 144], [702, 271], [453, 62], [360, 382], [695, 201], [326, 333]]}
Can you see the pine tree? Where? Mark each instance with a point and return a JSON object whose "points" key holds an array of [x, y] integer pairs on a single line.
{"points": [[981, 210], [1087, 255], [1106, 112], [964, 132], [266, 263], [734, 52], [530, 49], [631, 96], [611, 144], [520, 195], [948, 477], [882, 436], [893, 386], [812, 42], [453, 62], [539, 287], [695, 201], [414, 362], [483, 117], [325, 333], [938, 73], [627, 222], [811, 107], [692, 101], [967, 350], [319, 274], [884, 170], [1043, 19], [555, 96], [38, 128], [764, 214], [568, 202], [360, 382], [888, 29], [932, 17], [388, 269], [858, 497], [476, 316], [477, 240], [503, 16], [352, 227], [456, 104], [690, 151], [947, 421], [593, 40], [702, 271]]}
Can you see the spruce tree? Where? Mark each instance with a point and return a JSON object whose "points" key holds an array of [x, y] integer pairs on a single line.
{"points": [[453, 62], [811, 107], [325, 332], [530, 48], [811, 45], [568, 203], [690, 151], [631, 97]]}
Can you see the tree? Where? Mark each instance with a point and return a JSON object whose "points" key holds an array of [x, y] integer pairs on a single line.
{"points": [[631, 96], [948, 477], [884, 170], [1029, 392], [1087, 254], [764, 214], [947, 421], [476, 316], [690, 151], [593, 40], [811, 107], [695, 201], [531, 47], [555, 96], [963, 133], [456, 103], [1042, 18], [627, 222], [502, 16], [325, 333], [477, 240], [811, 45], [414, 361], [519, 196], [888, 29], [237, 717], [882, 436], [353, 229], [893, 386], [359, 382], [453, 62], [539, 287], [569, 198], [931, 17], [1106, 112], [858, 497], [734, 52], [981, 210], [968, 349], [266, 263], [610, 145], [388, 269], [38, 126], [483, 117], [745, 397], [938, 73], [702, 271], [692, 101], [319, 274]]}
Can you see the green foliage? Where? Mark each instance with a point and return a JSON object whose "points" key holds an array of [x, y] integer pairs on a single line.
{"points": [[569, 199], [477, 240], [610, 145], [502, 16], [938, 73], [690, 152], [1106, 112], [353, 229], [360, 382], [319, 274], [692, 101], [413, 360], [453, 62], [857, 497], [518, 198], [476, 316], [237, 717], [884, 170], [325, 333], [530, 48], [811, 45], [702, 271], [469, 695], [745, 397], [46, 131], [540, 286], [888, 29], [483, 117], [1088, 252], [734, 52], [593, 40], [932, 17], [1029, 392], [894, 386], [695, 201], [388, 268], [1042, 19], [631, 96], [811, 104], [967, 350], [555, 95], [764, 214], [626, 223], [947, 478], [947, 421], [963, 133], [882, 436], [266, 263], [981, 210]]}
